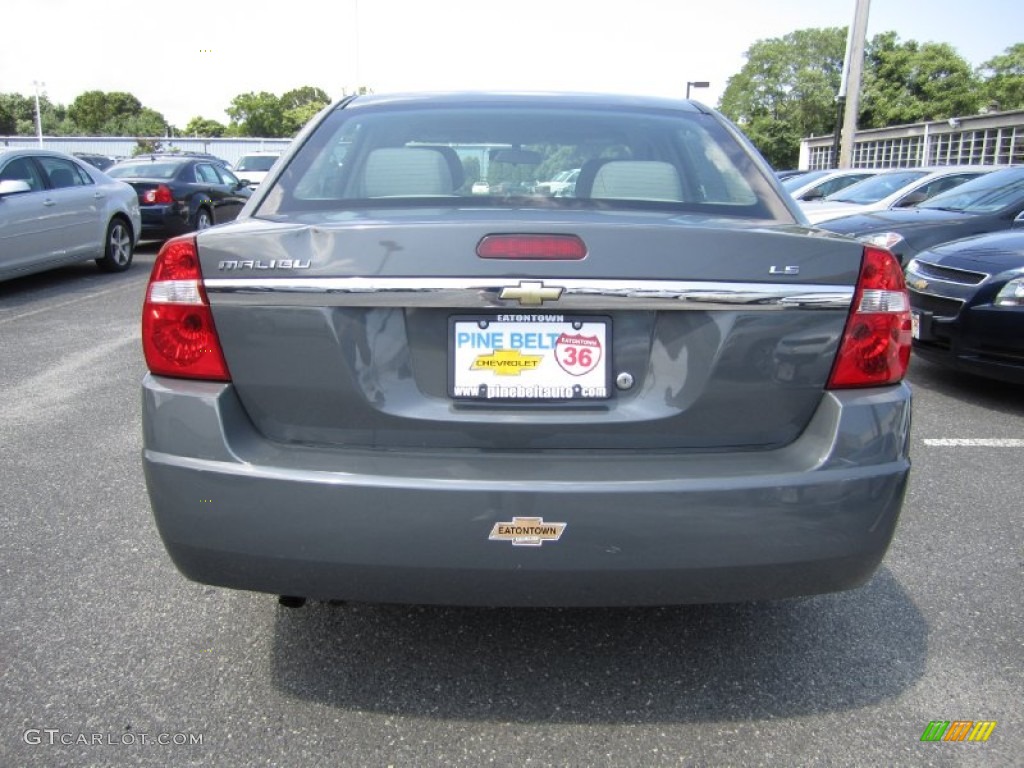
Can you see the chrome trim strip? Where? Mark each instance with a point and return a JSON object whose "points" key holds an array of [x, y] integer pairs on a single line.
{"points": [[482, 293]]}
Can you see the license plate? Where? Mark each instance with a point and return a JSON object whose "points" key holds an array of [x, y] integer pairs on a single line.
{"points": [[915, 325], [520, 357]]}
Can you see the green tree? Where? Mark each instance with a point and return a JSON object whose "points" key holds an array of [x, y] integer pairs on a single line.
{"points": [[148, 122], [22, 111], [98, 113], [146, 147], [14, 109], [201, 126], [1004, 78], [911, 82], [92, 110], [303, 96], [8, 124], [787, 90], [257, 114]]}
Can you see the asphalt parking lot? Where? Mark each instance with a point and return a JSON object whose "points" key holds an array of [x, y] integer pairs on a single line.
{"points": [[109, 657]]}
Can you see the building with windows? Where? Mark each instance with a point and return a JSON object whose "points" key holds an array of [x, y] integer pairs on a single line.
{"points": [[996, 138]]}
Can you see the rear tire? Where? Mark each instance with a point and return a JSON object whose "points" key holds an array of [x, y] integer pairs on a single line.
{"points": [[118, 247], [204, 219]]}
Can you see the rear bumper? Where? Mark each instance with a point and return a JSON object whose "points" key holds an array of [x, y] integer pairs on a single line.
{"points": [[164, 220], [239, 511]]}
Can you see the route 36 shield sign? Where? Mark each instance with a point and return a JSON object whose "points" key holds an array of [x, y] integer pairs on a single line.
{"points": [[577, 354]]}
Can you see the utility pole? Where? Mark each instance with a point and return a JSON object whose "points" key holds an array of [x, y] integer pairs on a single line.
{"points": [[850, 88], [39, 114]]}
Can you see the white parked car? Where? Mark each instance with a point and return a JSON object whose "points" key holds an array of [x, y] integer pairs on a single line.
{"points": [[56, 209], [889, 189], [818, 184], [254, 166], [561, 182]]}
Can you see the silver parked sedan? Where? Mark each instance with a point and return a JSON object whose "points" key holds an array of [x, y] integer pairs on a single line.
{"points": [[56, 209], [378, 385]]}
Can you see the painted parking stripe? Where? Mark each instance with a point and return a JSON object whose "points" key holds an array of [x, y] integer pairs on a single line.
{"points": [[134, 284], [992, 442]]}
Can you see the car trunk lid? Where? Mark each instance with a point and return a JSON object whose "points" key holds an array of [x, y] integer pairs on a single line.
{"points": [[712, 334]]}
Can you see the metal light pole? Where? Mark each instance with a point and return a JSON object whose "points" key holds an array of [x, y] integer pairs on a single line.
{"points": [[39, 115], [695, 84], [852, 76]]}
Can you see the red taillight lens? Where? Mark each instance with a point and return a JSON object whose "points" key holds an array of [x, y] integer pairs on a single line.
{"points": [[178, 335], [535, 247], [875, 349], [160, 196]]}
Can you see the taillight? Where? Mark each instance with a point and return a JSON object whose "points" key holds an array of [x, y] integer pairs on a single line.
{"points": [[178, 335], [532, 247], [875, 349], [161, 195]]}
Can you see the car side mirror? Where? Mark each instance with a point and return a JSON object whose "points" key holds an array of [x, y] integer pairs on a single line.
{"points": [[1018, 221], [912, 199], [13, 187], [814, 194]]}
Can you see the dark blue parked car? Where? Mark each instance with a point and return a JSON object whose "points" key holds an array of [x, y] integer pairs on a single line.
{"points": [[182, 194], [967, 305]]}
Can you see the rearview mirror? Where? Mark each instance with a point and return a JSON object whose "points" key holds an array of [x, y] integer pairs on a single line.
{"points": [[13, 187]]}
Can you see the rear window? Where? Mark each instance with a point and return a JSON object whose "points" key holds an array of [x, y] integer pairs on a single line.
{"points": [[874, 189], [986, 194], [498, 155], [255, 163], [145, 170]]}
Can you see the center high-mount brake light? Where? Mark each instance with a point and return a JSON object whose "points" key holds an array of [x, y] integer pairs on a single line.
{"points": [[178, 335], [532, 247], [875, 349]]}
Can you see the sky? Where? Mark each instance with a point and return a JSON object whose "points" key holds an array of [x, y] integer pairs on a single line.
{"points": [[190, 60]]}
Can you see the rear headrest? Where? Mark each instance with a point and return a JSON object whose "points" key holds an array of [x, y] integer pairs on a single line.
{"points": [[454, 165], [637, 180], [407, 172], [61, 177]]}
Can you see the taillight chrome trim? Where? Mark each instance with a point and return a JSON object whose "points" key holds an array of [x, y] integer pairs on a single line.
{"points": [[484, 293]]}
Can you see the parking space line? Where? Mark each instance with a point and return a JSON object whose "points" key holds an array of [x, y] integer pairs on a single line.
{"points": [[979, 442], [51, 307]]}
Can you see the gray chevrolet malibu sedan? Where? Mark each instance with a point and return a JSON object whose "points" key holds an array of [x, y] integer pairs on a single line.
{"points": [[658, 387]]}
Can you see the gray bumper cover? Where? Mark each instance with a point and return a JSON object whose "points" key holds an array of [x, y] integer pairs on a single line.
{"points": [[239, 511]]}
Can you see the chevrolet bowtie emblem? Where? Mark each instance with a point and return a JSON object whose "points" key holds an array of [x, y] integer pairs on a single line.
{"points": [[531, 294], [917, 283]]}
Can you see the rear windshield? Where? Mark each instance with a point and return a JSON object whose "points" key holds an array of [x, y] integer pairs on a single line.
{"points": [[877, 187], [255, 163], [534, 157], [795, 182], [986, 194], [145, 170]]}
